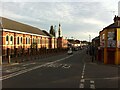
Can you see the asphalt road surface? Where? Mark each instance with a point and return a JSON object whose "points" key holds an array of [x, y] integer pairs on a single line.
{"points": [[62, 71]]}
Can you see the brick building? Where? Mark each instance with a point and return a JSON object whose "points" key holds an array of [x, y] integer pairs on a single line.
{"points": [[18, 38]]}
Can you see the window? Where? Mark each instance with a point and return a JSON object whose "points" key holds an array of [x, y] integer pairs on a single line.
{"points": [[26, 41], [21, 40], [7, 40], [34, 40], [18, 42], [11, 40], [38, 41], [43, 41]]}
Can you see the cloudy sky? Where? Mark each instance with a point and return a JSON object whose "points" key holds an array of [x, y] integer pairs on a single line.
{"points": [[78, 18]]}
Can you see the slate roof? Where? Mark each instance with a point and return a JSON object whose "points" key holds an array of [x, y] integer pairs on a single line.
{"points": [[113, 25], [48, 34], [17, 26]]}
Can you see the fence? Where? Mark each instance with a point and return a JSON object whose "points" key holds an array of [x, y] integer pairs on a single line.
{"points": [[19, 55]]}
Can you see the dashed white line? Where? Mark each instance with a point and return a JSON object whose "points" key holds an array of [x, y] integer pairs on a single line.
{"points": [[92, 86], [91, 81], [81, 85], [82, 78], [82, 73]]}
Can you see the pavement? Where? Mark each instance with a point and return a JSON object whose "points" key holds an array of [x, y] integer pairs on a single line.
{"points": [[27, 59]]}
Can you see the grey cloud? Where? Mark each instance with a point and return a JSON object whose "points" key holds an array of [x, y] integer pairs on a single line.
{"points": [[72, 15]]}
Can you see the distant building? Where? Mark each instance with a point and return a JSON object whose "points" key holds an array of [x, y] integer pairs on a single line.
{"points": [[74, 43]]}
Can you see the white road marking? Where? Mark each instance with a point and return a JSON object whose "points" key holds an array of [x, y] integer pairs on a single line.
{"points": [[66, 66], [82, 73], [82, 77], [28, 64], [81, 85], [91, 81], [33, 68], [92, 86], [12, 70], [82, 80]]}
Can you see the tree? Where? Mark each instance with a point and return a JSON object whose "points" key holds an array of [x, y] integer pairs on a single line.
{"points": [[52, 31]]}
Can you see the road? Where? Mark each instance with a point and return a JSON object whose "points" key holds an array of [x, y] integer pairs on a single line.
{"points": [[62, 71]]}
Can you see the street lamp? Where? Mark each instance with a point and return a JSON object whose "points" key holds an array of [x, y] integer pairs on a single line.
{"points": [[89, 38]]}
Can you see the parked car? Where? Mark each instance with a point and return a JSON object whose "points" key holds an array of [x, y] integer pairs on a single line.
{"points": [[70, 51]]}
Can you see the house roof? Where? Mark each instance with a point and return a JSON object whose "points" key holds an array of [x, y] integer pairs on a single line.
{"points": [[113, 25], [48, 34], [17, 26]]}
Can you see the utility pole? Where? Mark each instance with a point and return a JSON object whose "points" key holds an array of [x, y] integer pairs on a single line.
{"points": [[89, 38], [1, 30]]}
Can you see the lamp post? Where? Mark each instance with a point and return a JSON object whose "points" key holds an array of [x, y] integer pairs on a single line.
{"points": [[89, 38], [1, 30]]}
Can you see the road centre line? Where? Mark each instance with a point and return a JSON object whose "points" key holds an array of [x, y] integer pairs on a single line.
{"points": [[81, 85], [82, 78], [92, 86], [33, 68]]}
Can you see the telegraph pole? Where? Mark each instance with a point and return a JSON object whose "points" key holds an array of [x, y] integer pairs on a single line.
{"points": [[89, 38], [1, 41]]}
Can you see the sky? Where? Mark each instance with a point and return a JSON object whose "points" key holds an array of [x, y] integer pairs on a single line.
{"points": [[79, 19]]}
